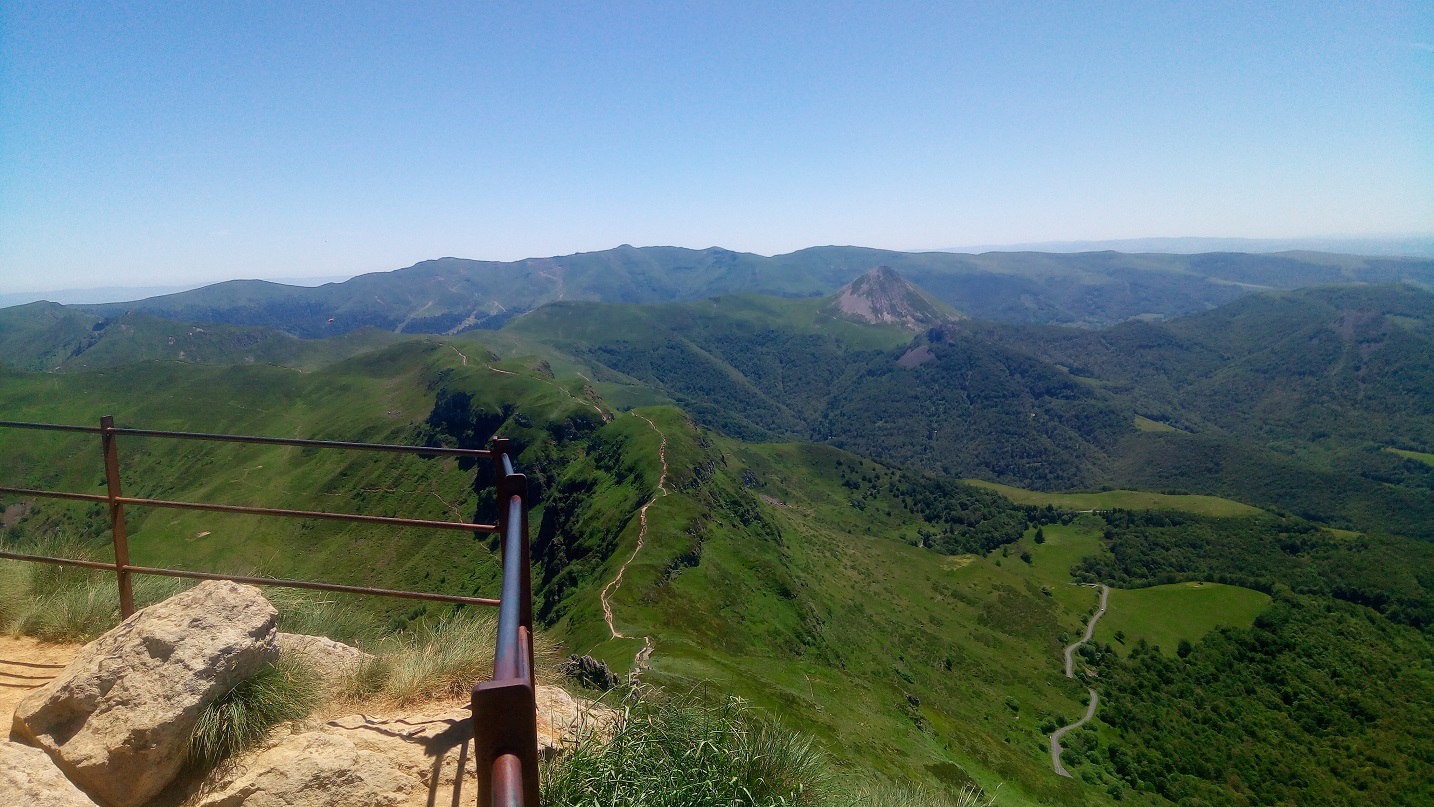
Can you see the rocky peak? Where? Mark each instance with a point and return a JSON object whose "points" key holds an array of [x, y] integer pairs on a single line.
{"points": [[882, 296]]}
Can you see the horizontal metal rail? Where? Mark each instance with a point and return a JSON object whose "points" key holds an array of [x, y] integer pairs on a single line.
{"points": [[55, 494], [50, 427], [462, 526], [88, 564], [505, 740], [243, 438], [257, 581]]}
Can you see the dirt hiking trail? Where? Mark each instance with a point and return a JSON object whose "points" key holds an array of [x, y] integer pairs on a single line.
{"points": [[26, 665], [640, 661]]}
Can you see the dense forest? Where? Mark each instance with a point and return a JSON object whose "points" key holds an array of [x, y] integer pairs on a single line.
{"points": [[1319, 703], [1390, 574]]}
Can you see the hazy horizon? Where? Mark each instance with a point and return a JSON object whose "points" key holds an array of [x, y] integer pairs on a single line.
{"points": [[150, 145]]}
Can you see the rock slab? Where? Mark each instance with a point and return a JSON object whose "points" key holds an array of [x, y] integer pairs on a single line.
{"points": [[398, 761], [29, 778], [118, 719]]}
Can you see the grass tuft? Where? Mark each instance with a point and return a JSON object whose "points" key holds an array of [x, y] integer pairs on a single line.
{"points": [[435, 662], [306, 613], [669, 751], [66, 603], [287, 689]]}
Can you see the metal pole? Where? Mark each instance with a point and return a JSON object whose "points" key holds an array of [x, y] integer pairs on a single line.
{"points": [[117, 531], [498, 449]]}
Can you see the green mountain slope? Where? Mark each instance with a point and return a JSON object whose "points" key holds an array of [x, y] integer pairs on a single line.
{"points": [[386, 395], [46, 336], [1282, 399], [911, 623]]}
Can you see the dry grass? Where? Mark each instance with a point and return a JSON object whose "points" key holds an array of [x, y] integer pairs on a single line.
{"points": [[435, 663], [66, 603]]}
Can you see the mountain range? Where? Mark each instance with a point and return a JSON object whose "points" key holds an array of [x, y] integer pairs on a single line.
{"points": [[452, 295]]}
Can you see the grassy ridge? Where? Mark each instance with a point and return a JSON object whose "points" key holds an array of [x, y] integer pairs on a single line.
{"points": [[47, 336], [383, 396]]}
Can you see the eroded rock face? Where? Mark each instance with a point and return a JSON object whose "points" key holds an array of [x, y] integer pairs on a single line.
{"points": [[118, 719], [29, 779]]}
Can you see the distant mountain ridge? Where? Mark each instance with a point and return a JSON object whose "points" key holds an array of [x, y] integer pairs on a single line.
{"points": [[1408, 246], [451, 295]]}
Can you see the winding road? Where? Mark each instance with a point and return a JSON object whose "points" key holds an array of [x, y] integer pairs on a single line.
{"points": [[640, 661], [1070, 673]]}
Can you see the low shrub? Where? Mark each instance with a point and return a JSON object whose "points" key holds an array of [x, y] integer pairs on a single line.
{"points": [[436, 661]]}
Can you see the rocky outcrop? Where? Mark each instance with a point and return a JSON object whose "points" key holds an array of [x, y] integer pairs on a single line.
{"points": [[314, 769], [118, 720], [29, 779], [589, 672], [884, 297]]}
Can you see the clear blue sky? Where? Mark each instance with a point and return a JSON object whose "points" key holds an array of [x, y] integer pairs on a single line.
{"points": [[154, 144]]}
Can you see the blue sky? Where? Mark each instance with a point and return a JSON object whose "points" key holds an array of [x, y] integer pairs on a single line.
{"points": [[151, 144]]}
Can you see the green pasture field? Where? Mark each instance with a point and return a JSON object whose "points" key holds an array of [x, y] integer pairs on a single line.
{"points": [[1145, 424], [1419, 456], [1163, 615], [1124, 500]]}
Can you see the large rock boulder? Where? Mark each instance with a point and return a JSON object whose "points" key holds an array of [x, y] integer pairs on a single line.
{"points": [[118, 719], [28, 778]]}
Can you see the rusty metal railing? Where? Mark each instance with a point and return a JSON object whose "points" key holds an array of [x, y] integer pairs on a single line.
{"points": [[504, 708]]}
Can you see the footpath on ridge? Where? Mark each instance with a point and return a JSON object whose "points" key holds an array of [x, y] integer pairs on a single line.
{"points": [[1070, 673], [640, 660]]}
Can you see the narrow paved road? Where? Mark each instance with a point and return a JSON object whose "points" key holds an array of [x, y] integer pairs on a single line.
{"points": [[1089, 632], [1070, 673], [1061, 732]]}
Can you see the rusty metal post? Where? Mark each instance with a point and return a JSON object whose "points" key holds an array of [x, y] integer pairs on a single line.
{"points": [[117, 530], [505, 739], [525, 562]]}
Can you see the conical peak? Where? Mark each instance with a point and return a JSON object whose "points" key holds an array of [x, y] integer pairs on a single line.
{"points": [[883, 296]]}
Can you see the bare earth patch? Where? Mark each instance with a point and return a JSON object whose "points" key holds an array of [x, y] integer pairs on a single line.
{"points": [[26, 665]]}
